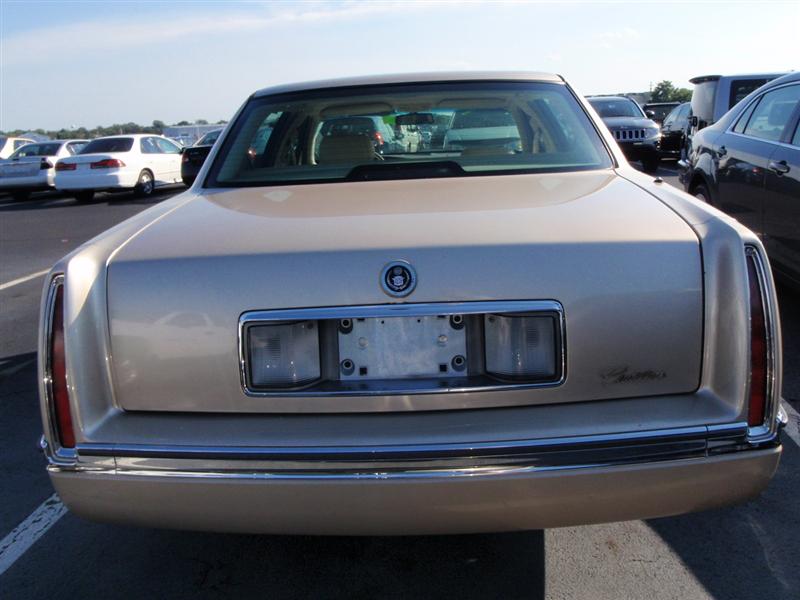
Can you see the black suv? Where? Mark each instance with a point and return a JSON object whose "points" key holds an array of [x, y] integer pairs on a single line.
{"points": [[637, 135], [747, 164]]}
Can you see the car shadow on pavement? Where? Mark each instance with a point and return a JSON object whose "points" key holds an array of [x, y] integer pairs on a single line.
{"points": [[748, 551], [116, 562], [751, 551]]}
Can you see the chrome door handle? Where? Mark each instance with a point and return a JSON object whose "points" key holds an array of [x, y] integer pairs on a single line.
{"points": [[779, 167]]}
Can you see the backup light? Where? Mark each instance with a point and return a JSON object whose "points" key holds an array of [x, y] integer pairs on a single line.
{"points": [[284, 354], [521, 347]]}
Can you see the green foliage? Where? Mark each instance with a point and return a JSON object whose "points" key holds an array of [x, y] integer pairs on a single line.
{"points": [[157, 127], [665, 91]]}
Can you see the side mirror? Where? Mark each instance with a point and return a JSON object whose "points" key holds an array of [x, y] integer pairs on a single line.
{"points": [[650, 113]]}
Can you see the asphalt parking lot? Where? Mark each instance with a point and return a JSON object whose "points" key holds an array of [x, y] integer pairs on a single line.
{"points": [[748, 551]]}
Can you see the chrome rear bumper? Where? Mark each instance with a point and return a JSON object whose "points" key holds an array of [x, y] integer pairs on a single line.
{"points": [[528, 484]]}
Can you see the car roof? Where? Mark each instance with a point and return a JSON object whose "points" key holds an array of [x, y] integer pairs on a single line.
{"points": [[601, 97], [127, 135], [788, 78], [410, 78], [671, 103], [705, 78]]}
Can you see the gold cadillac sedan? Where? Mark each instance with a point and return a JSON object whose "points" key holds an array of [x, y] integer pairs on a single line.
{"points": [[434, 303]]}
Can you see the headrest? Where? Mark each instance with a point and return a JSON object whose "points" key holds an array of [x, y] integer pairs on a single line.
{"points": [[346, 149]]}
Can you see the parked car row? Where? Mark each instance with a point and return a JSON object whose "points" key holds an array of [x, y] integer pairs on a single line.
{"points": [[747, 164], [32, 167], [136, 162]]}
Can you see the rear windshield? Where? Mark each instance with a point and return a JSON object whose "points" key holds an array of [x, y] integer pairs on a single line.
{"points": [[108, 145], [615, 108], [703, 100], [408, 131], [37, 150], [208, 139]]}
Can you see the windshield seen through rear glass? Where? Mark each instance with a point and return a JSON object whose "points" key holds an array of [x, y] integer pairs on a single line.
{"points": [[408, 131], [615, 108]]}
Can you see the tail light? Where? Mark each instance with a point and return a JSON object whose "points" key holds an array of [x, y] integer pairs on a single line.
{"points": [[56, 367], [46, 164], [378, 138], [185, 157], [108, 163], [761, 352], [66, 166]]}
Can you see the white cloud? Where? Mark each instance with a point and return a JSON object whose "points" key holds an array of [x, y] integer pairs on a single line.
{"points": [[47, 44]]}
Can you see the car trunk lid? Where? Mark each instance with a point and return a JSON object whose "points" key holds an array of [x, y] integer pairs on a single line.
{"points": [[625, 268]]}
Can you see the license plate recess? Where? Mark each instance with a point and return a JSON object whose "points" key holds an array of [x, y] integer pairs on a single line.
{"points": [[402, 347]]}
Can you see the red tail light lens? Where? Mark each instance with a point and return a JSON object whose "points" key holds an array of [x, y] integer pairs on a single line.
{"points": [[58, 373], [108, 163], [66, 166], [758, 346]]}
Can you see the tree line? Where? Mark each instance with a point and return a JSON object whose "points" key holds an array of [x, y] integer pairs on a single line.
{"points": [[157, 127], [665, 91]]}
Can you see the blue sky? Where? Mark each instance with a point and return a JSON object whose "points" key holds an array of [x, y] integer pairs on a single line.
{"points": [[65, 63]]}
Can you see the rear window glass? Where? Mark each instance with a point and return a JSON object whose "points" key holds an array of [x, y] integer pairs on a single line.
{"points": [[408, 131], [615, 108], [108, 145], [703, 100]]}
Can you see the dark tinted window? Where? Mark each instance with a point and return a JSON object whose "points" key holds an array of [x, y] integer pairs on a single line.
{"points": [[796, 138], [108, 145], [740, 88], [771, 116]]}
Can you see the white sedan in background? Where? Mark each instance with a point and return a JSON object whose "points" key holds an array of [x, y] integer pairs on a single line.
{"points": [[31, 167], [9, 145], [138, 162]]}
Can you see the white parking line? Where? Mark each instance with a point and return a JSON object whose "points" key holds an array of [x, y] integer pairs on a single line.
{"points": [[17, 543], [14, 282]]}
